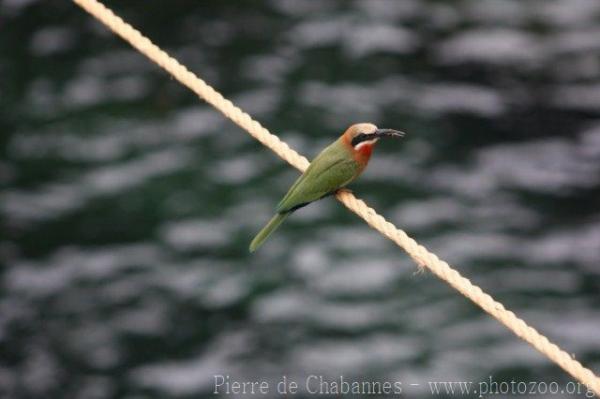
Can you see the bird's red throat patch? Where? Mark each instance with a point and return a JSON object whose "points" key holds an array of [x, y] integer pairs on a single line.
{"points": [[362, 152]]}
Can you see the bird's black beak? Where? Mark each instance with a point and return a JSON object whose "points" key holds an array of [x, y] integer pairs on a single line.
{"points": [[389, 133], [377, 134]]}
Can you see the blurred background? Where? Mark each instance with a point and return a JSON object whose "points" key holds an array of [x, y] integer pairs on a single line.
{"points": [[127, 205]]}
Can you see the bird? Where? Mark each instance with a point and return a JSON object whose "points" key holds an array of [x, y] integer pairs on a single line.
{"points": [[333, 168]]}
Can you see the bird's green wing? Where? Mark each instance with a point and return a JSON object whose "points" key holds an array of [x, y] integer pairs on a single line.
{"points": [[331, 169]]}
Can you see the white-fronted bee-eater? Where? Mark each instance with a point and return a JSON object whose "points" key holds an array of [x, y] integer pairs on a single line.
{"points": [[336, 166]]}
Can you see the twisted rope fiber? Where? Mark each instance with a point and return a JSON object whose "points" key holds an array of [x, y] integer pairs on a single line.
{"points": [[420, 254]]}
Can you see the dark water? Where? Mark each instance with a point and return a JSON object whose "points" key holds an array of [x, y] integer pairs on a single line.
{"points": [[127, 205]]}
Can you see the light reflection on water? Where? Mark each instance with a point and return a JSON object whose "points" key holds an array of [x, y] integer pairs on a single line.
{"points": [[127, 205]]}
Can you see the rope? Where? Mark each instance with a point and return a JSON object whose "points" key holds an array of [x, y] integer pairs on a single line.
{"points": [[420, 254]]}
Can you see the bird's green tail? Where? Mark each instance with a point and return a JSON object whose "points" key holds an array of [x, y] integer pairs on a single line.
{"points": [[267, 230]]}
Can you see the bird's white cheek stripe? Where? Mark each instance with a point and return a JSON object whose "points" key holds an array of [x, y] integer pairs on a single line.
{"points": [[369, 142]]}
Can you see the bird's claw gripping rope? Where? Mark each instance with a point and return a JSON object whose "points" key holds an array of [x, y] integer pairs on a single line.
{"points": [[419, 253]]}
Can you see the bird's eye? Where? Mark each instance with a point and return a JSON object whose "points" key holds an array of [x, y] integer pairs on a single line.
{"points": [[358, 138]]}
